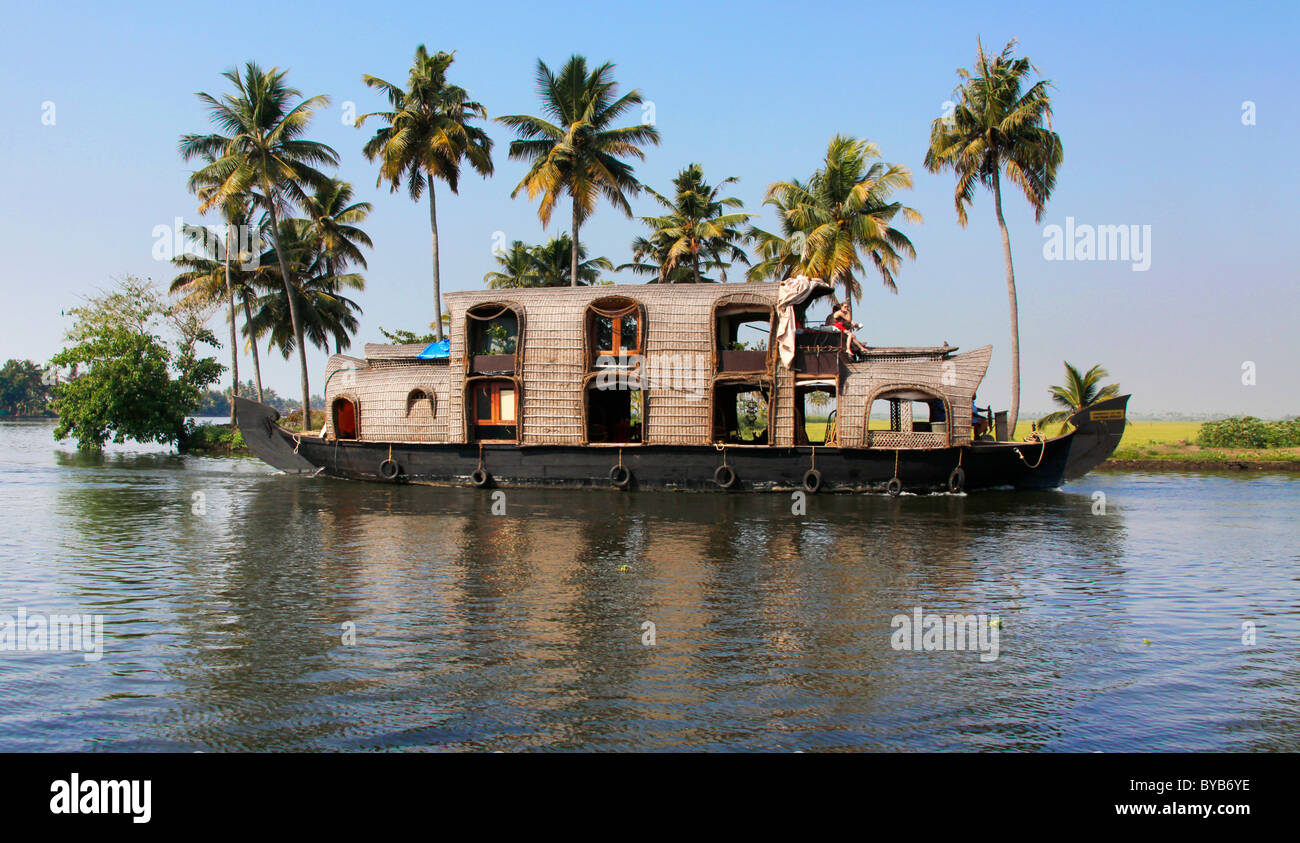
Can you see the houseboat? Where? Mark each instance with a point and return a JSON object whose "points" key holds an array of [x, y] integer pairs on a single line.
{"points": [[663, 386]]}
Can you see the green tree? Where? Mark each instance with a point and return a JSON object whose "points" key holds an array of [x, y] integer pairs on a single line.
{"points": [[845, 211], [696, 233], [547, 265], [1078, 392], [259, 149], [23, 390], [214, 269], [573, 149], [133, 383], [324, 312], [998, 127], [426, 135], [553, 262], [518, 267]]}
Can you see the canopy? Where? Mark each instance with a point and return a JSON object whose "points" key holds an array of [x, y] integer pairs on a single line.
{"points": [[792, 291]]}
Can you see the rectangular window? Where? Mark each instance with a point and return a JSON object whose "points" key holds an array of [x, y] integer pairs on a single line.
{"points": [[617, 335], [495, 410]]}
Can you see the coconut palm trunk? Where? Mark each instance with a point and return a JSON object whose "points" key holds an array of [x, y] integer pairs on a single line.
{"points": [[437, 276], [1011, 297], [257, 364], [573, 261], [234, 337], [293, 315]]}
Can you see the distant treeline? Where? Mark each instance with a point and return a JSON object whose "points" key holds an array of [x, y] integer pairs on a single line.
{"points": [[214, 403], [23, 389]]}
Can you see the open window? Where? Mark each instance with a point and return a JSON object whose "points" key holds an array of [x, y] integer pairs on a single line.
{"points": [[744, 336], [615, 332], [492, 338], [742, 411], [614, 414], [493, 410], [907, 417], [344, 414], [815, 412]]}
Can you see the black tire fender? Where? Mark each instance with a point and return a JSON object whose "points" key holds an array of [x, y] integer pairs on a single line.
{"points": [[621, 476], [724, 476]]}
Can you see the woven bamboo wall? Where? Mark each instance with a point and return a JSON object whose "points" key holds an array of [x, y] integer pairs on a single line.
{"points": [[955, 378], [384, 390], [678, 352]]}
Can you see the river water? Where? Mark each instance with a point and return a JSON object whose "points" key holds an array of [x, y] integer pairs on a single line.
{"points": [[247, 610]]}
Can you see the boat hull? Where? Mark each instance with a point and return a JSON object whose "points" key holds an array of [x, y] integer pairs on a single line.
{"points": [[1032, 465]]}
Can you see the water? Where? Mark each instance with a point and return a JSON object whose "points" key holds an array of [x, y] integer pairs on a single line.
{"points": [[224, 626]]}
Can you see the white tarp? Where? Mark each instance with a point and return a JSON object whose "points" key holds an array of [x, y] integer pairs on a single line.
{"points": [[792, 291]]}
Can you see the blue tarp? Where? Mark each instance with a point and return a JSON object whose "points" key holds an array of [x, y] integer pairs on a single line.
{"points": [[436, 350]]}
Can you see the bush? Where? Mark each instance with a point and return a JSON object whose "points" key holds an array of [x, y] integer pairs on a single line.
{"points": [[213, 439], [1249, 432]]}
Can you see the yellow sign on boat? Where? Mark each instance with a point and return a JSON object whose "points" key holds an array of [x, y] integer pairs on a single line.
{"points": [[1106, 415]]}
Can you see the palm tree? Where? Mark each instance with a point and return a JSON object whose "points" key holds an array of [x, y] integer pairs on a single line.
{"points": [[334, 225], [997, 127], [262, 153], [552, 264], [844, 211], [518, 268], [579, 153], [229, 211], [324, 313], [426, 135], [217, 272], [696, 224], [1080, 390]]}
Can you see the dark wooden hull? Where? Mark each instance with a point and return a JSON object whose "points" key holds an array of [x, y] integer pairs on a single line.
{"points": [[1021, 465]]}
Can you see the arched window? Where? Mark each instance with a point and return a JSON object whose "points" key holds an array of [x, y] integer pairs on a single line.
{"points": [[615, 332], [420, 408], [744, 333], [492, 338], [907, 417]]}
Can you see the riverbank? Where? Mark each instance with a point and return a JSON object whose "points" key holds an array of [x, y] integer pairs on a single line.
{"points": [[215, 440]]}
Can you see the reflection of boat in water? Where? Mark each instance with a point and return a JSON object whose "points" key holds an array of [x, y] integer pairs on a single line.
{"points": [[654, 386]]}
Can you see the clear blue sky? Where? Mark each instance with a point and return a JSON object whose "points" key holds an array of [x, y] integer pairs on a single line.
{"points": [[1148, 104]]}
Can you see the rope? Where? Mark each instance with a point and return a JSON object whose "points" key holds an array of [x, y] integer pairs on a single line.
{"points": [[1041, 452], [297, 440], [723, 448], [483, 318], [895, 463], [620, 457], [480, 455]]}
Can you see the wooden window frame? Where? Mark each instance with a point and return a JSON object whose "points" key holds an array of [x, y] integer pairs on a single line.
{"points": [[616, 325]]}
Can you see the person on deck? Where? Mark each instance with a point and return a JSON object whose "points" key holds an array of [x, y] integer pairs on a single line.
{"points": [[979, 424], [841, 319]]}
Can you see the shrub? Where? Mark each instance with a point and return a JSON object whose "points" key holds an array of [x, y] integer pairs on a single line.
{"points": [[1249, 432]]}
